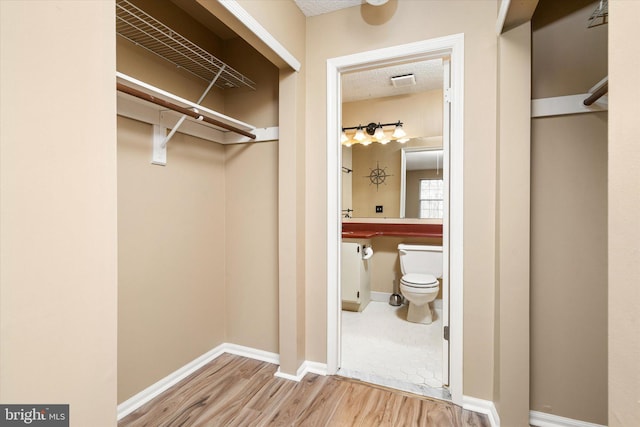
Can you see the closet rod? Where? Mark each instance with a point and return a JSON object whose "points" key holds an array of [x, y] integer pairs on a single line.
{"points": [[171, 106], [599, 93]]}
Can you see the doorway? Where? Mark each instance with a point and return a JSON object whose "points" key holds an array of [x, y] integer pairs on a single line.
{"points": [[446, 47]]}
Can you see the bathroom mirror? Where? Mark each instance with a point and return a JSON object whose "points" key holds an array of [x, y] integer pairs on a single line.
{"points": [[390, 175], [374, 185], [422, 183]]}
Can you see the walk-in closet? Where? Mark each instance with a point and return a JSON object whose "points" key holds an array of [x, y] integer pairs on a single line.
{"points": [[197, 190]]}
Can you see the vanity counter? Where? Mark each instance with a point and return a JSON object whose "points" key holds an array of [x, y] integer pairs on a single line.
{"points": [[367, 230]]}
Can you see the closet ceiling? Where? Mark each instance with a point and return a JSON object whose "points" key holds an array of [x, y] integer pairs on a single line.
{"points": [[549, 11]]}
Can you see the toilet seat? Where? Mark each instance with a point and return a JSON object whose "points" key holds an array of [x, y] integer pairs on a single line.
{"points": [[419, 280]]}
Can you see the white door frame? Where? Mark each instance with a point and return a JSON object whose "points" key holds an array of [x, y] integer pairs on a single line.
{"points": [[446, 244], [453, 47]]}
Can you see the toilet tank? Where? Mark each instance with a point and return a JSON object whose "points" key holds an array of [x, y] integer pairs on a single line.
{"points": [[423, 259]]}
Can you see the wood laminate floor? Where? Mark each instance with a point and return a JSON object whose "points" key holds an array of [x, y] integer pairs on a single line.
{"points": [[236, 391]]}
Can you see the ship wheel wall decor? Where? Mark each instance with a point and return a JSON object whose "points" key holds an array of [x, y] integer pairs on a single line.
{"points": [[378, 175]]}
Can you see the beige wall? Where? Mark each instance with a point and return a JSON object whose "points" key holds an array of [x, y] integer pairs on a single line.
{"points": [[623, 224], [292, 196], [360, 29], [291, 223], [365, 194], [511, 341], [171, 237], [251, 206], [251, 218], [58, 269], [258, 107], [569, 266], [271, 14], [569, 224]]}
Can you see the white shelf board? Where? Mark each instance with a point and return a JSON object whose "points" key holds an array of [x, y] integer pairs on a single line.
{"points": [[563, 105], [147, 112], [139, 109]]}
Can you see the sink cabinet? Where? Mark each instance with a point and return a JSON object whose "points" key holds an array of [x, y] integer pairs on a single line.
{"points": [[355, 275]]}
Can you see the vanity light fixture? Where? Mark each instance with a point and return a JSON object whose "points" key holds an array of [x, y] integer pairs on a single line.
{"points": [[399, 132], [373, 129], [343, 137], [379, 134]]}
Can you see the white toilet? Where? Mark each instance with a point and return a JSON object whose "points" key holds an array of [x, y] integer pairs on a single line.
{"points": [[421, 267]]}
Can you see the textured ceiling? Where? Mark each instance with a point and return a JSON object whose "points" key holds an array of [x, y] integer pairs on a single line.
{"points": [[376, 83], [318, 7]]}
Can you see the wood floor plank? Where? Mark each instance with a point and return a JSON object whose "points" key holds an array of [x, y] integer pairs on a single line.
{"points": [[301, 397], [441, 415], [361, 406], [375, 412], [232, 407], [409, 412], [321, 409], [265, 402], [236, 391], [474, 419], [392, 409]]}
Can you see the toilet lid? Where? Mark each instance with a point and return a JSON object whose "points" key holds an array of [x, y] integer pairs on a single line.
{"points": [[418, 279]]}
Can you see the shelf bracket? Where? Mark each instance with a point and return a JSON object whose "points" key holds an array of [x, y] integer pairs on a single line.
{"points": [[159, 156], [163, 145]]}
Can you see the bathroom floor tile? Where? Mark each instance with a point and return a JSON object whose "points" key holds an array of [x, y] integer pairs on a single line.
{"points": [[380, 346]]}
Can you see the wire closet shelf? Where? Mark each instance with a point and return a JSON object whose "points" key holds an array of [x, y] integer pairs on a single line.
{"points": [[140, 28]]}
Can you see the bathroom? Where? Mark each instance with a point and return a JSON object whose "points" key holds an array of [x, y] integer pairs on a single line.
{"points": [[394, 181]]}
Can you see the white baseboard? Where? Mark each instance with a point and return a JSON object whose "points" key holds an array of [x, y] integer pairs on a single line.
{"points": [[543, 419], [251, 353], [537, 419], [154, 390], [316, 368], [484, 407], [304, 369]]}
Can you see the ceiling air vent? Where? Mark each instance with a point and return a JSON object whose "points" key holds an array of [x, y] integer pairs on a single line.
{"points": [[404, 80]]}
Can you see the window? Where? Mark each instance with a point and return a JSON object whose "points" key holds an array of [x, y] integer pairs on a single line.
{"points": [[431, 198]]}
